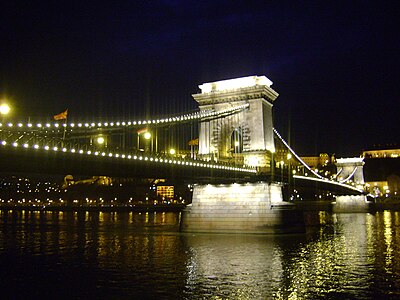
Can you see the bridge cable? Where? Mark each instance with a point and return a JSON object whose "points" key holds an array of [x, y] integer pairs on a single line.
{"points": [[295, 155], [350, 176]]}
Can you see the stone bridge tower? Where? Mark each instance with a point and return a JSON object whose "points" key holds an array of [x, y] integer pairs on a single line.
{"points": [[244, 137], [351, 168]]}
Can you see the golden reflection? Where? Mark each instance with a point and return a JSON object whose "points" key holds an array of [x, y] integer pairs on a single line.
{"points": [[332, 262], [235, 264], [387, 219], [326, 218], [370, 238], [154, 217], [86, 216], [341, 258], [101, 216]]}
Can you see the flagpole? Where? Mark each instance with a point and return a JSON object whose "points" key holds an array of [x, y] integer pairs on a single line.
{"points": [[65, 130], [62, 116]]}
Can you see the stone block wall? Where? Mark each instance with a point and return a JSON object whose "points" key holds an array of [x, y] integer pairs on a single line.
{"points": [[351, 203], [240, 208]]}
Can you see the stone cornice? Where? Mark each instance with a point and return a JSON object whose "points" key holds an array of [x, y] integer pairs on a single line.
{"points": [[241, 94]]}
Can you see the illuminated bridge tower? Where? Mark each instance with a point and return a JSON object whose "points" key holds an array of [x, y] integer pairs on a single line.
{"points": [[246, 137], [351, 170]]}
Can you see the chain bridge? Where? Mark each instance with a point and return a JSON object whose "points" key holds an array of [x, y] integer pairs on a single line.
{"points": [[229, 141]]}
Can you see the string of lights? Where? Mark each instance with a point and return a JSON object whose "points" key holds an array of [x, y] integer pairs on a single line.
{"points": [[148, 158], [319, 177], [295, 155], [330, 182], [94, 125]]}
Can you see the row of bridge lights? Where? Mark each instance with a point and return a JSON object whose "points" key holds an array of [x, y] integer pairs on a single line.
{"points": [[197, 115], [351, 184], [135, 157]]}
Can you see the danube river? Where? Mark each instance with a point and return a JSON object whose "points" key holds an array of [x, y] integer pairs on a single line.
{"points": [[131, 255]]}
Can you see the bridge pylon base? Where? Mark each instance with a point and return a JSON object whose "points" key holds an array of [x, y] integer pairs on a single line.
{"points": [[351, 203], [256, 208]]}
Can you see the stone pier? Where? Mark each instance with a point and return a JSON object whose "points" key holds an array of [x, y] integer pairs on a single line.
{"points": [[351, 204], [245, 137], [351, 170], [241, 208]]}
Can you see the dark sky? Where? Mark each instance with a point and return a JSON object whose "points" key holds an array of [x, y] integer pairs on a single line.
{"points": [[335, 64]]}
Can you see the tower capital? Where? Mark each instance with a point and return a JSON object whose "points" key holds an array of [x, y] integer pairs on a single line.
{"points": [[237, 89]]}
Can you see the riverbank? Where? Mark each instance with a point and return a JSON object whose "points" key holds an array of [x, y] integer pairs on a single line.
{"points": [[306, 206], [114, 208], [389, 205], [393, 205]]}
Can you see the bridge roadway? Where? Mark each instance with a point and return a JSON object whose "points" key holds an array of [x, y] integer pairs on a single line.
{"points": [[18, 155], [309, 185], [50, 161], [63, 161]]}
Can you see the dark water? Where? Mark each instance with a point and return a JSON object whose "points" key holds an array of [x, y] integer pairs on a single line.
{"points": [[67, 255]]}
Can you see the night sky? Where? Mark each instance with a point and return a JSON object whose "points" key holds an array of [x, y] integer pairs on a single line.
{"points": [[335, 64]]}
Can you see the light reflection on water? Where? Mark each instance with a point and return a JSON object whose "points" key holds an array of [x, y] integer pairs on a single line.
{"points": [[127, 255]]}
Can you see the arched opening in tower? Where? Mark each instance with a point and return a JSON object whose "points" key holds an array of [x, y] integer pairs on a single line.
{"points": [[237, 141]]}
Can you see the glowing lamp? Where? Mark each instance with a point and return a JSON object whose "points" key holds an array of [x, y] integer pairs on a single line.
{"points": [[100, 140], [147, 135], [4, 109]]}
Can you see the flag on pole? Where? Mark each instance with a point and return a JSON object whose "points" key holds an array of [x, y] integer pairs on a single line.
{"points": [[143, 130], [194, 142], [61, 116]]}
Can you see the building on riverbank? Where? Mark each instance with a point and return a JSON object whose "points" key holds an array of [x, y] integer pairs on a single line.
{"points": [[382, 171]]}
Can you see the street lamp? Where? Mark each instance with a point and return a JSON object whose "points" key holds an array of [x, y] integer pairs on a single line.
{"points": [[147, 135], [100, 140], [289, 157], [282, 164], [172, 151], [143, 134], [4, 109]]}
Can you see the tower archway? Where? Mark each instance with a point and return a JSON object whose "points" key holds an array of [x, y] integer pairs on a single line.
{"points": [[236, 141], [248, 132]]}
